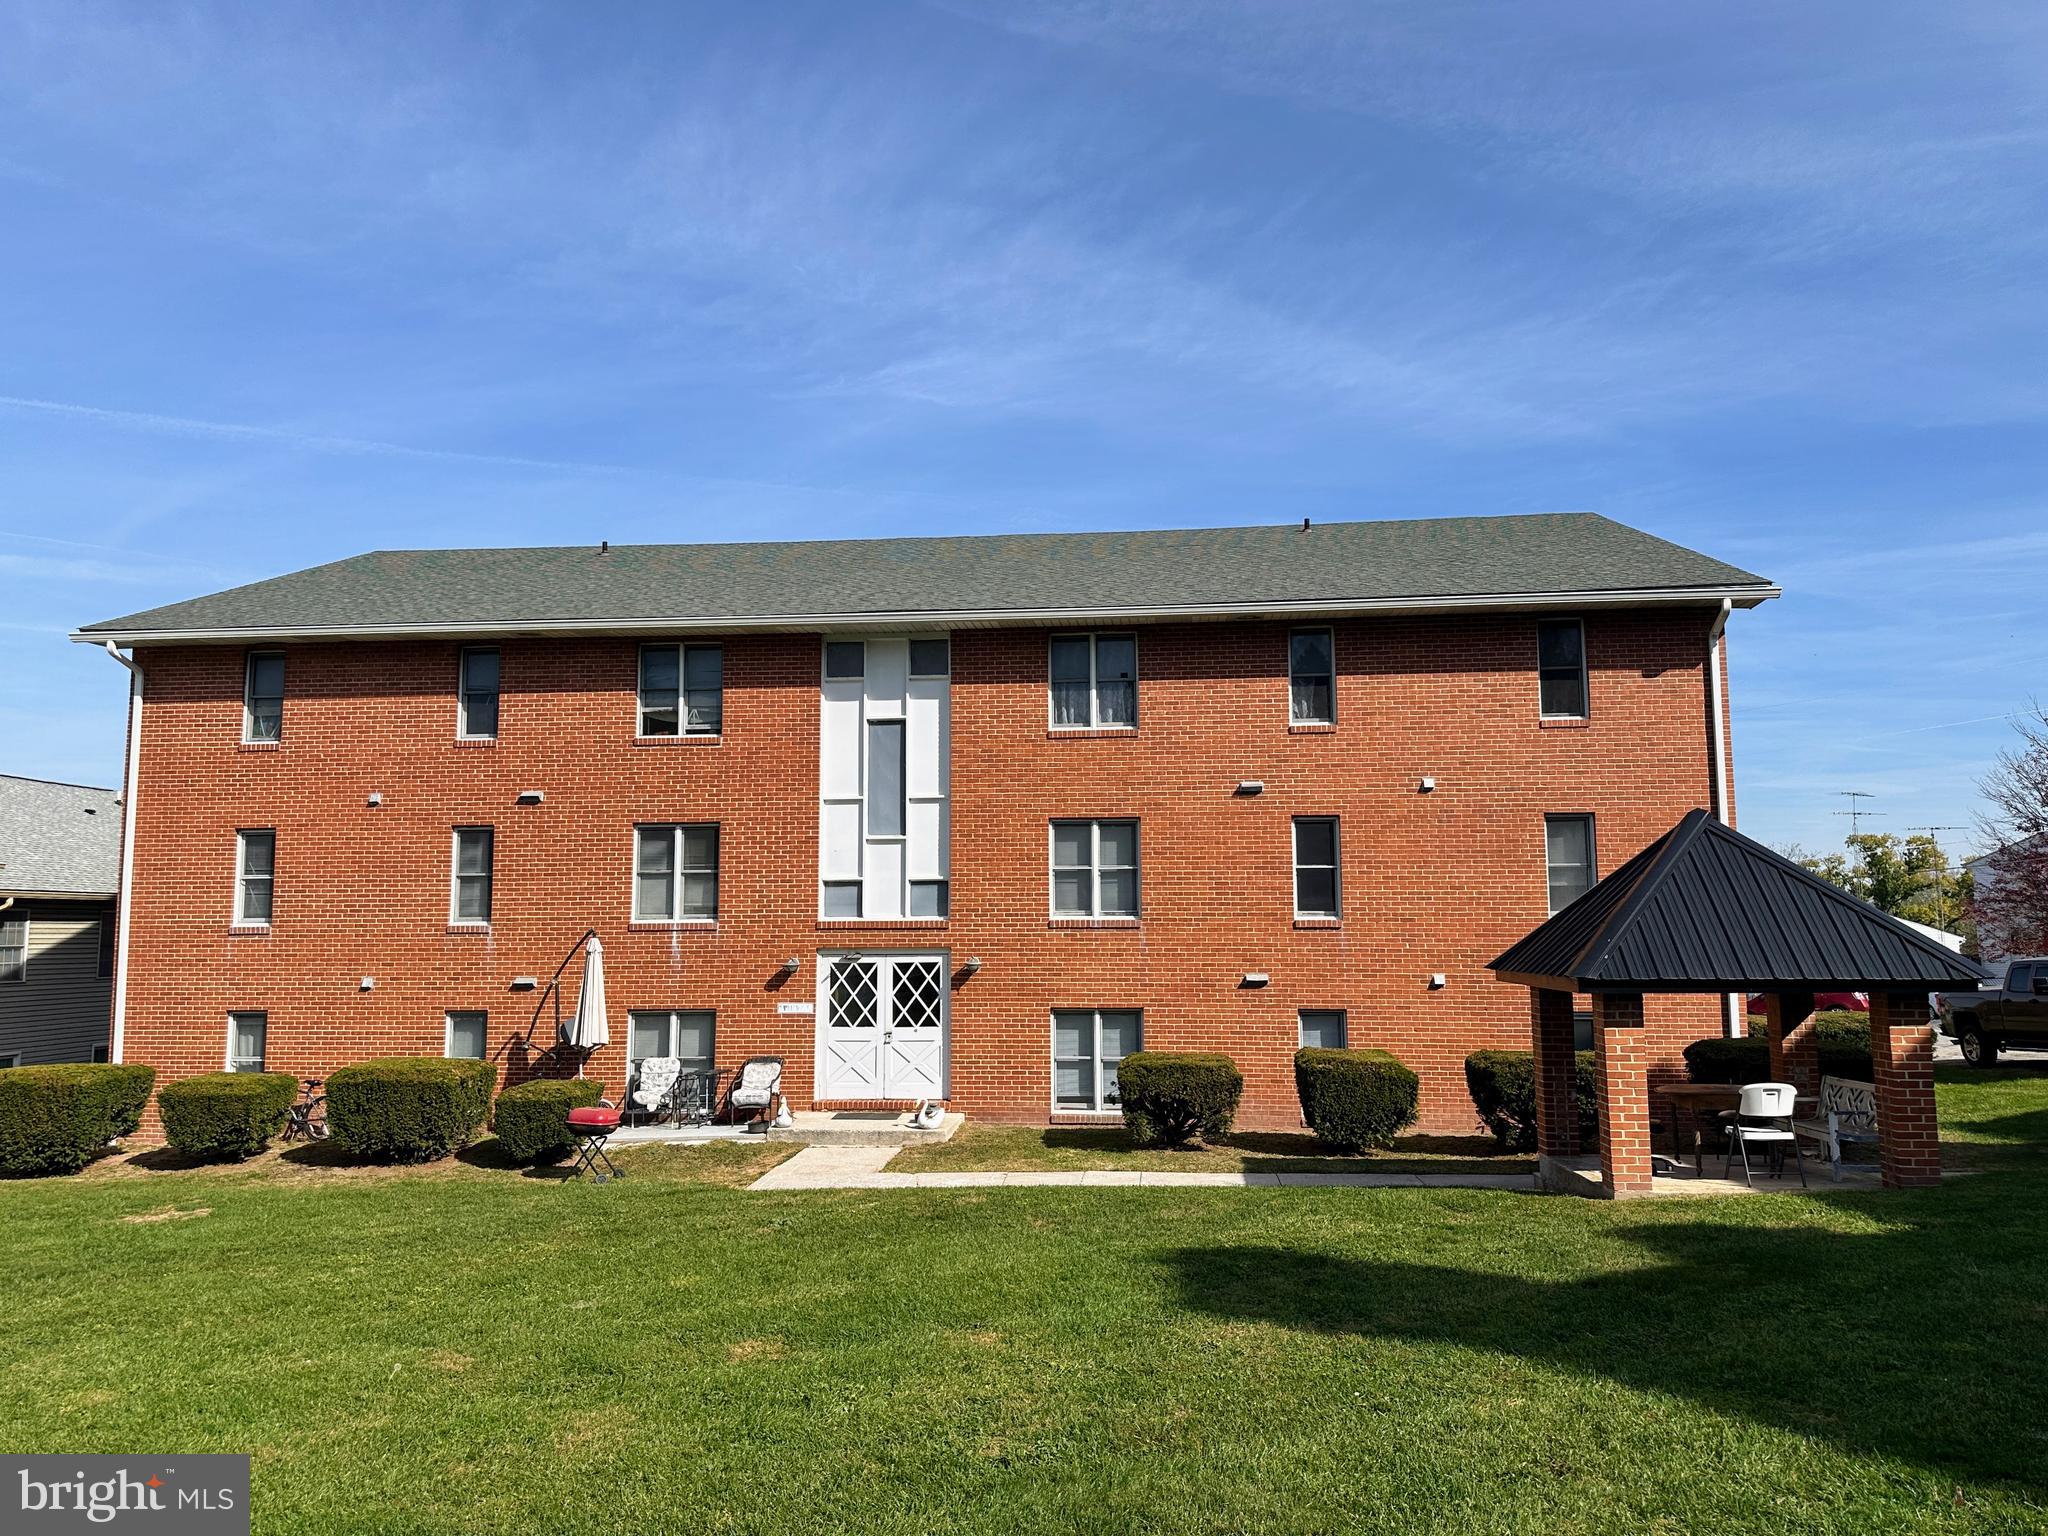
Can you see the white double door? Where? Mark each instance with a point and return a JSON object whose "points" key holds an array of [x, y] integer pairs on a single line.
{"points": [[882, 1026]]}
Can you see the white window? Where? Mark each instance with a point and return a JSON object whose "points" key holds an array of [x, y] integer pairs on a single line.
{"points": [[845, 660], [1322, 1029], [474, 851], [1312, 677], [247, 1033], [686, 1035], [931, 658], [263, 697], [841, 899], [884, 766], [1087, 1044], [1094, 681], [1095, 869], [479, 707], [468, 1035], [675, 873], [1561, 668], [1568, 856], [682, 690], [14, 947], [255, 875], [1316, 885]]}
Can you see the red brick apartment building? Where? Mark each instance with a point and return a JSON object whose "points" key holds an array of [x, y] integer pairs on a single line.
{"points": [[964, 818]]}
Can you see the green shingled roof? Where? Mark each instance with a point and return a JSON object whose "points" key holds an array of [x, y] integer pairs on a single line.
{"points": [[1425, 563]]}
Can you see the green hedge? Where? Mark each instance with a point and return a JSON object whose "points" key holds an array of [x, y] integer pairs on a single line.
{"points": [[1355, 1099], [226, 1116], [1170, 1097], [1503, 1089], [532, 1120], [409, 1109], [1844, 1040], [56, 1119]]}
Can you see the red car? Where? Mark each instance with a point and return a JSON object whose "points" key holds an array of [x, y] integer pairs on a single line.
{"points": [[1855, 1002]]}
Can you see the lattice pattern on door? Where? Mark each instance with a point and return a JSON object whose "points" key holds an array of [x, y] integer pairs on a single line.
{"points": [[855, 994], [919, 995]]}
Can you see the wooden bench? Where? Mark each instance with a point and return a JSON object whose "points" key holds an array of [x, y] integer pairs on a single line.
{"points": [[1847, 1114]]}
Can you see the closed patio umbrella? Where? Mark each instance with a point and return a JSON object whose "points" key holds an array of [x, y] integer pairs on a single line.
{"points": [[586, 1029]]}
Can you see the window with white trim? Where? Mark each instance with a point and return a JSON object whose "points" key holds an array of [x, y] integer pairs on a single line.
{"points": [[675, 872], [255, 875], [263, 697], [247, 1035], [1094, 681], [1561, 668], [14, 947], [687, 1034], [1087, 1044], [475, 854], [682, 690], [1323, 1029], [1095, 869], [1317, 887], [11, 1059], [1568, 859], [99, 1054], [478, 710], [1312, 677], [468, 1034]]}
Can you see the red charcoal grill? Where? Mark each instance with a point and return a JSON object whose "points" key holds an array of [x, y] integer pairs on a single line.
{"points": [[592, 1127]]}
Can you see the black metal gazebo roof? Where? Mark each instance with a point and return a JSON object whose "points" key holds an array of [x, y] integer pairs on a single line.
{"points": [[1705, 909]]}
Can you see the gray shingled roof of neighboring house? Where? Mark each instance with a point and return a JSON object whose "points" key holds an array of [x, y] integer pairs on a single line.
{"points": [[1452, 562], [58, 839]]}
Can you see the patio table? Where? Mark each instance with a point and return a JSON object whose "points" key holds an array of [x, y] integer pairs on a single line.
{"points": [[1694, 1102], [694, 1099]]}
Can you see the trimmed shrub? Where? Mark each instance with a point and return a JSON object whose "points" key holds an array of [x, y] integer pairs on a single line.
{"points": [[1170, 1097], [226, 1116], [409, 1109], [1355, 1099], [532, 1120], [1843, 1036], [1503, 1089], [55, 1119]]}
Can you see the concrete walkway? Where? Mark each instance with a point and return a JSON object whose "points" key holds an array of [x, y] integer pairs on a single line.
{"points": [[839, 1167]]}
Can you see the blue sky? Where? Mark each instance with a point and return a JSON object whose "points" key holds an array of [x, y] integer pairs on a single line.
{"points": [[282, 284]]}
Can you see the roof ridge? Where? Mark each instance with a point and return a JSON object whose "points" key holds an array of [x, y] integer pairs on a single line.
{"points": [[26, 778]]}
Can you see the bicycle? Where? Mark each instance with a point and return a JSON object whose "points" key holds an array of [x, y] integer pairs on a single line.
{"points": [[307, 1119]]}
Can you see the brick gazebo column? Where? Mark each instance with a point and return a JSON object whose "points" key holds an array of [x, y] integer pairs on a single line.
{"points": [[1902, 1060], [1550, 1038], [1624, 1094], [1795, 1047]]}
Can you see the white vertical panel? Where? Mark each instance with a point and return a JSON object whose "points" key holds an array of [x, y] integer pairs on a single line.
{"points": [[883, 892], [925, 741], [888, 673], [840, 832], [839, 741], [927, 840]]}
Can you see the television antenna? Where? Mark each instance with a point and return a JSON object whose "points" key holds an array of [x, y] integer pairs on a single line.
{"points": [[1856, 811]]}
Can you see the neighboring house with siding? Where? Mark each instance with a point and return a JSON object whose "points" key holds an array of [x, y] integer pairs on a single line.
{"points": [[940, 817], [60, 864]]}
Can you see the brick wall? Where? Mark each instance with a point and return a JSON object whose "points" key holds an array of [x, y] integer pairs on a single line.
{"points": [[1431, 882]]}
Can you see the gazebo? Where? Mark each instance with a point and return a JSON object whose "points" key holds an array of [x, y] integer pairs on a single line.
{"points": [[1705, 909]]}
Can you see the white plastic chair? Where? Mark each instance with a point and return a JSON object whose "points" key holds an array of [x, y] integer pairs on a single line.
{"points": [[654, 1083], [1763, 1115]]}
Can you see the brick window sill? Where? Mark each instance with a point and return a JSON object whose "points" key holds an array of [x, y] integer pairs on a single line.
{"points": [[883, 922], [1090, 732], [679, 741], [1092, 922], [1563, 723], [1086, 1116], [475, 743], [1313, 728], [1319, 922], [478, 929], [249, 930], [673, 925], [258, 746]]}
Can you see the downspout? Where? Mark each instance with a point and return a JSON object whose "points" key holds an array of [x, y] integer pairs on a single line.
{"points": [[1717, 773], [121, 913]]}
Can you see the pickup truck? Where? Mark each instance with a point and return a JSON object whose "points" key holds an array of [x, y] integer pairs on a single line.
{"points": [[2014, 1012]]}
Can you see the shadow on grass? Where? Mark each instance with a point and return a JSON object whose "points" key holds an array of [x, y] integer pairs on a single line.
{"points": [[1904, 1339], [1299, 1151]]}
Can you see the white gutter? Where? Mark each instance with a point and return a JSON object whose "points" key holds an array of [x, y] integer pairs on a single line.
{"points": [[1733, 1006], [121, 914], [936, 618]]}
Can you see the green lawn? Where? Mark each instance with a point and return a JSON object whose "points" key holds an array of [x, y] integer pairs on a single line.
{"points": [[480, 1351]]}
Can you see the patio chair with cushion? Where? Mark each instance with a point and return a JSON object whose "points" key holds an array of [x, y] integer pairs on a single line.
{"points": [[757, 1087], [1763, 1117], [654, 1086]]}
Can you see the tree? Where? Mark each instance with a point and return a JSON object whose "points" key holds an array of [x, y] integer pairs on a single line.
{"points": [[2011, 902], [1911, 878]]}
